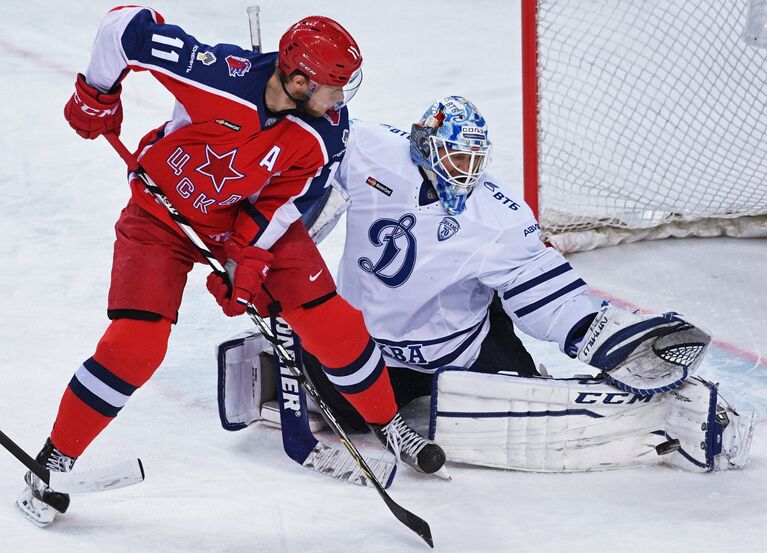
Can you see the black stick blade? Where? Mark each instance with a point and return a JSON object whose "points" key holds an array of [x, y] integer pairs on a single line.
{"points": [[412, 521]]}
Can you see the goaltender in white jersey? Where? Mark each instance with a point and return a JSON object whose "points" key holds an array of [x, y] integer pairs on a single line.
{"points": [[432, 239], [441, 259], [425, 278]]}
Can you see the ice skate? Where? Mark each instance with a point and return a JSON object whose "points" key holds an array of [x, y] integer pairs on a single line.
{"points": [[412, 448], [38, 502]]}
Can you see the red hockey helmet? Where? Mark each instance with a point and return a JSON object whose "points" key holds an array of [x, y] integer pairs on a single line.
{"points": [[323, 50]]}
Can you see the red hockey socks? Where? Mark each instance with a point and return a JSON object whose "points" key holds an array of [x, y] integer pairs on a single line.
{"points": [[126, 356], [335, 333]]}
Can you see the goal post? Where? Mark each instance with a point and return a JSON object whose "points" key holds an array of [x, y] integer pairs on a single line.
{"points": [[643, 119]]}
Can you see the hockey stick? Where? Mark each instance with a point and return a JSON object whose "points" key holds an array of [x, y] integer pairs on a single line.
{"points": [[412, 521], [298, 441], [255, 28], [106, 478]]}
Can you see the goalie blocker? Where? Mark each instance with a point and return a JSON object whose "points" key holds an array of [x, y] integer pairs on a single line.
{"points": [[568, 425]]}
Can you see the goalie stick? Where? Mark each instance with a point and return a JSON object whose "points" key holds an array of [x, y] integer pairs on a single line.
{"points": [[107, 478], [298, 441], [411, 520]]}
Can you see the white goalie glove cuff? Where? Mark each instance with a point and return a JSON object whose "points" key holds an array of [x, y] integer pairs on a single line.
{"points": [[321, 223], [643, 354]]}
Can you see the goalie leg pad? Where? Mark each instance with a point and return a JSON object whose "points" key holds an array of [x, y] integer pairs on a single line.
{"points": [[711, 434], [247, 389], [643, 354], [570, 425], [241, 387]]}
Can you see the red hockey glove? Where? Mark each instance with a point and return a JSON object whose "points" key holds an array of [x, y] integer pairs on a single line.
{"points": [[92, 113], [249, 273]]}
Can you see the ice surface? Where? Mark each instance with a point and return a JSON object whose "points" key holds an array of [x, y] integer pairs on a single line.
{"points": [[212, 491]]}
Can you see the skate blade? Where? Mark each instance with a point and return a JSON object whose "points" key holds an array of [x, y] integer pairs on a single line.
{"points": [[34, 510], [442, 473]]}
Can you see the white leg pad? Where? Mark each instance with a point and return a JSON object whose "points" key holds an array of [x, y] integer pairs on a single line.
{"points": [[243, 385], [247, 390], [568, 425]]}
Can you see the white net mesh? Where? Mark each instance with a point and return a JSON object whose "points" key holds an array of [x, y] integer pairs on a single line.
{"points": [[652, 120]]}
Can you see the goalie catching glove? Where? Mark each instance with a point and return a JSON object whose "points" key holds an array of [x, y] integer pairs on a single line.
{"points": [[643, 354]]}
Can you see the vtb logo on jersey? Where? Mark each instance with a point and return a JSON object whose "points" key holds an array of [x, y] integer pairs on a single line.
{"points": [[397, 259], [447, 228], [237, 66]]}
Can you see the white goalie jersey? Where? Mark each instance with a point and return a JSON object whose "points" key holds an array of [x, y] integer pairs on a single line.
{"points": [[425, 279]]}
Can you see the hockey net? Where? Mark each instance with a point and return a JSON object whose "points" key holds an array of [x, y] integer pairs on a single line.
{"points": [[643, 119]]}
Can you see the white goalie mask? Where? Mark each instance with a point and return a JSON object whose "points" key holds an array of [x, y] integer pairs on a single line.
{"points": [[451, 142]]}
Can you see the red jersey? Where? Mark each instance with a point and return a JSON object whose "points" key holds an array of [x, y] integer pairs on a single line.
{"points": [[230, 166]]}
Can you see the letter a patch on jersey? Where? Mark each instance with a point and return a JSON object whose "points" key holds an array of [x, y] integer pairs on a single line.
{"points": [[270, 159]]}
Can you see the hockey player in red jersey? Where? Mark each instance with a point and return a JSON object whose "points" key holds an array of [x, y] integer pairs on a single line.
{"points": [[251, 144]]}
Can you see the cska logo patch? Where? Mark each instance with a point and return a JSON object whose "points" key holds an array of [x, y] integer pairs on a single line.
{"points": [[237, 66], [447, 228], [219, 168]]}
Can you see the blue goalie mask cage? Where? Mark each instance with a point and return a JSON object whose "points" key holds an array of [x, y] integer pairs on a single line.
{"points": [[451, 142]]}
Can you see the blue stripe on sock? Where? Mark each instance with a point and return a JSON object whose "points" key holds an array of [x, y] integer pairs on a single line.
{"points": [[92, 400], [366, 383], [357, 364], [108, 377]]}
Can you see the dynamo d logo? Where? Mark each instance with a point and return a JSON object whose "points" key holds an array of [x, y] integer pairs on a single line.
{"points": [[397, 259], [447, 228]]}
